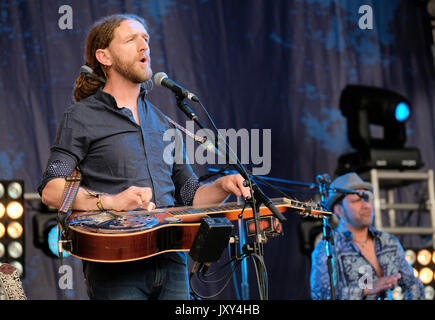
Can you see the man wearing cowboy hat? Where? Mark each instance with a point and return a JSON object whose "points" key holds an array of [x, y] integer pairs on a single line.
{"points": [[367, 263]]}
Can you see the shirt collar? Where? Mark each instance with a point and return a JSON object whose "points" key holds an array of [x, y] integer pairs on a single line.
{"points": [[105, 97], [108, 99], [341, 228]]}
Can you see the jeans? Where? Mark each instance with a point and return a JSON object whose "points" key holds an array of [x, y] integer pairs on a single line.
{"points": [[154, 278]]}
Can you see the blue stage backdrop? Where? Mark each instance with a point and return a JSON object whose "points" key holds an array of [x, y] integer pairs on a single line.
{"points": [[255, 64]]}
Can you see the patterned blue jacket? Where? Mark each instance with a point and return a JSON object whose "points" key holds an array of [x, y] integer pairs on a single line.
{"points": [[353, 272]]}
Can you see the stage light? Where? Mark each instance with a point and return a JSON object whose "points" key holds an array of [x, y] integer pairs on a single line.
{"points": [[433, 256], [15, 230], [423, 268], [426, 275], [363, 105], [12, 233], [402, 112], [15, 190], [410, 256], [424, 257], [17, 265], [397, 293], [15, 249], [2, 250], [366, 108], [429, 292], [14, 210], [45, 234], [52, 241]]}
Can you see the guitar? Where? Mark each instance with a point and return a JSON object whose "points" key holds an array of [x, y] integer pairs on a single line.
{"points": [[10, 283], [117, 236]]}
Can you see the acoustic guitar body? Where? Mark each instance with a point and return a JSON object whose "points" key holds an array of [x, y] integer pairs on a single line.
{"points": [[109, 236], [118, 244]]}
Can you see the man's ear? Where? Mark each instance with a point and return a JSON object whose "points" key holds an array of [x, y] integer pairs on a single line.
{"points": [[338, 210], [104, 57]]}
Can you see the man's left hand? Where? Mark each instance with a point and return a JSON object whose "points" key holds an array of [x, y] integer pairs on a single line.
{"points": [[234, 184]]}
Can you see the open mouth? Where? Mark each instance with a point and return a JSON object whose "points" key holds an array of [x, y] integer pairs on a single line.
{"points": [[143, 60]]}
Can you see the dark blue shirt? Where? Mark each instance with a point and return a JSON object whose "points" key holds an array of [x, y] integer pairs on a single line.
{"points": [[352, 271], [114, 152]]}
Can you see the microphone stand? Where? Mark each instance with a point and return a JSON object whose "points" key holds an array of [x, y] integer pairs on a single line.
{"points": [[255, 200], [187, 111], [323, 184]]}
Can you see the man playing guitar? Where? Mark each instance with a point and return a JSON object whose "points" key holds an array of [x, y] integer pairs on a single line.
{"points": [[115, 136]]}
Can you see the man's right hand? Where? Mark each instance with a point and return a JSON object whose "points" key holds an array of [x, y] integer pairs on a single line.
{"points": [[129, 199], [382, 284]]}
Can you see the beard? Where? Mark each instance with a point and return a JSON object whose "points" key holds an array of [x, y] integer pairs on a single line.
{"points": [[130, 71], [362, 219]]}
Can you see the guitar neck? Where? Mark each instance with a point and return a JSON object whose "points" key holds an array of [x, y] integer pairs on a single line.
{"points": [[282, 204], [230, 210]]}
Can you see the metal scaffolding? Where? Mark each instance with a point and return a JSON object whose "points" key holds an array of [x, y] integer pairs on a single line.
{"points": [[389, 180]]}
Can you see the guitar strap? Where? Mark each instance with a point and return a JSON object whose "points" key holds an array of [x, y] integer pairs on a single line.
{"points": [[187, 132], [72, 184], [69, 194]]}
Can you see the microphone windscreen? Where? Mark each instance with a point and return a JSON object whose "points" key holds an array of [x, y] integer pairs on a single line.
{"points": [[158, 78]]}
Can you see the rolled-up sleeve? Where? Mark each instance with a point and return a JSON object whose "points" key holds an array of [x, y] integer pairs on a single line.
{"points": [[68, 150], [184, 178]]}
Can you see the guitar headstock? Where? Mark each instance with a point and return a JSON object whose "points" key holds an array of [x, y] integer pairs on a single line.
{"points": [[308, 208]]}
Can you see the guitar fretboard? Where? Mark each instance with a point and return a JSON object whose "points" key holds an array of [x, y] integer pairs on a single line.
{"points": [[307, 208]]}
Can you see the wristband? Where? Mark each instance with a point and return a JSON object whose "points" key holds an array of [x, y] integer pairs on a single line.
{"points": [[99, 203], [98, 196]]}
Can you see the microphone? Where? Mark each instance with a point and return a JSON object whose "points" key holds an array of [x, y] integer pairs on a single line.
{"points": [[161, 79], [323, 178]]}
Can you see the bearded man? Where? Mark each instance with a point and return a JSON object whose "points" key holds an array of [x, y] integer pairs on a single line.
{"points": [[367, 263], [115, 136]]}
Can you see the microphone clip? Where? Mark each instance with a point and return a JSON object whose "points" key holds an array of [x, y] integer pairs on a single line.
{"points": [[185, 108]]}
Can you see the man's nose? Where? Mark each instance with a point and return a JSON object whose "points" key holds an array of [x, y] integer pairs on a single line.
{"points": [[367, 202], [143, 45]]}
